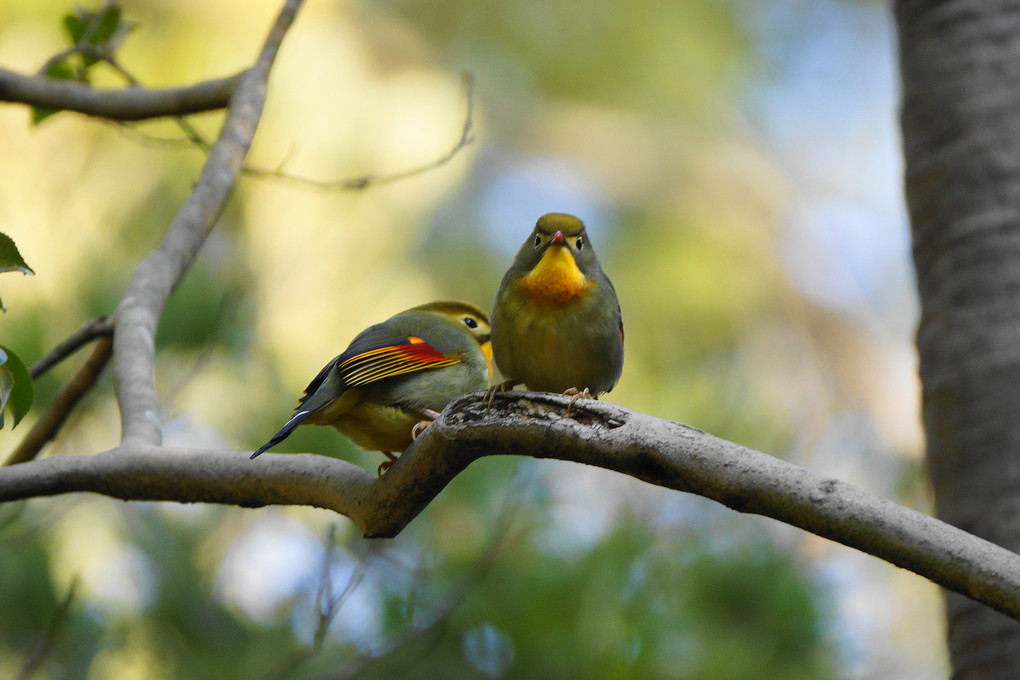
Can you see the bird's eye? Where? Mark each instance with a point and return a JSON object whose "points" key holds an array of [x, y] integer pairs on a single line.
{"points": [[580, 242], [470, 322], [538, 240]]}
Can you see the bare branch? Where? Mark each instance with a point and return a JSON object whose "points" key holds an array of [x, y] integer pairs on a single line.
{"points": [[38, 656], [327, 605], [365, 181], [117, 104], [89, 331], [439, 617], [47, 427], [524, 423], [159, 273]]}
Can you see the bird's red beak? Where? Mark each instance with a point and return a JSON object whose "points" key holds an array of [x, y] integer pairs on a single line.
{"points": [[558, 238]]}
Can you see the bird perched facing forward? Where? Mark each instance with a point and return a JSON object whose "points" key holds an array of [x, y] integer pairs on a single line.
{"points": [[397, 373], [556, 323]]}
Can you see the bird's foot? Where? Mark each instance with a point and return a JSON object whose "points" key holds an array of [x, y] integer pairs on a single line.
{"points": [[576, 394], [427, 416], [490, 394], [385, 465], [419, 427]]}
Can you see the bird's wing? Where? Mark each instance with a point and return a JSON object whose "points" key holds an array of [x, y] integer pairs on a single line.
{"points": [[386, 359], [376, 354]]}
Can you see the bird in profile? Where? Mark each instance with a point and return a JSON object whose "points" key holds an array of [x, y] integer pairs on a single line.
{"points": [[556, 322], [396, 376]]}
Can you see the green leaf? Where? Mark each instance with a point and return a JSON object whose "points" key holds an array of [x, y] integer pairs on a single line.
{"points": [[109, 25], [62, 70], [99, 29], [40, 114], [103, 30], [75, 24], [10, 258], [16, 388], [11, 261]]}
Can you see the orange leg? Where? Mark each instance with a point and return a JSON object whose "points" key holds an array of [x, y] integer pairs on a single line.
{"points": [[385, 465]]}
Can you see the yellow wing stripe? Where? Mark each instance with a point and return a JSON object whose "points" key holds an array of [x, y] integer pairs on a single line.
{"points": [[364, 356], [385, 362], [372, 373]]}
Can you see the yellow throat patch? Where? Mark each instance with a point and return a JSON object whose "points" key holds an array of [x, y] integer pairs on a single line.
{"points": [[556, 278]]}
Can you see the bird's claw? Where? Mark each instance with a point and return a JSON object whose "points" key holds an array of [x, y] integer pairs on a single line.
{"points": [[427, 417], [576, 394], [498, 388], [418, 428]]}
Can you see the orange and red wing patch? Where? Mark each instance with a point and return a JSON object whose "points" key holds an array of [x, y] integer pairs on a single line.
{"points": [[389, 360]]}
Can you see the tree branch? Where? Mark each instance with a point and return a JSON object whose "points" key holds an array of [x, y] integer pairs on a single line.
{"points": [[158, 274], [89, 331], [127, 104], [47, 427], [365, 181], [46, 644], [524, 423]]}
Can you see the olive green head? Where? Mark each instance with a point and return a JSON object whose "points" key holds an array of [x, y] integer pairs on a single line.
{"points": [[464, 315], [550, 223], [557, 257]]}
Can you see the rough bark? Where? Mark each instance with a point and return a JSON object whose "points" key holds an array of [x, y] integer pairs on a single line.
{"points": [[960, 65]]}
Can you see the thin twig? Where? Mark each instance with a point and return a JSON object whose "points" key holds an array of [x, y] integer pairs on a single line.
{"points": [[149, 140], [327, 605], [111, 61], [365, 181], [37, 657], [482, 567], [47, 427], [192, 138], [193, 134], [89, 331]]}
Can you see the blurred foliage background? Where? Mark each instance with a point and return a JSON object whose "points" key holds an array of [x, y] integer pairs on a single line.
{"points": [[738, 165]]}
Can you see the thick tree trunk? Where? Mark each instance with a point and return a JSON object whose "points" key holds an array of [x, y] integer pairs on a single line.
{"points": [[960, 67]]}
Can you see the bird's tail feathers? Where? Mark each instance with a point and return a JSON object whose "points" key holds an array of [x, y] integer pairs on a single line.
{"points": [[285, 431]]}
